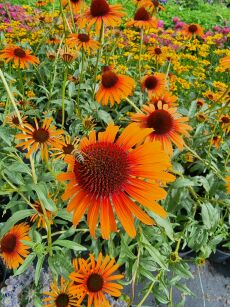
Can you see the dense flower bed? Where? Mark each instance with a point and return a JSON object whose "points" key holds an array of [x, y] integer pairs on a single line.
{"points": [[114, 151]]}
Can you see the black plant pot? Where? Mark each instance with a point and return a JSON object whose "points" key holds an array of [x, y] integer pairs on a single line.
{"points": [[2, 272], [220, 256], [186, 253]]}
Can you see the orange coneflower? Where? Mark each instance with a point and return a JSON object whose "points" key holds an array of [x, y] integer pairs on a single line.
{"points": [[154, 84], [12, 250], [82, 41], [142, 19], [61, 295], [225, 120], [152, 4], [165, 98], [67, 55], [112, 174], [155, 51], [65, 147], [200, 102], [53, 40], [13, 121], [99, 13], [42, 137], [228, 184], [39, 215], [216, 141], [225, 62], [20, 57], [76, 5], [193, 30], [114, 87], [168, 126], [94, 279]]}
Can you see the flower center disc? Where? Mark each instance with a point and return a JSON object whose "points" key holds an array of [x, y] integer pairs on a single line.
{"points": [[192, 28], [41, 135], [19, 52], [109, 79], [15, 120], [8, 243], [95, 283], [225, 119], [84, 38], [62, 300], [68, 149], [74, 1], [158, 50], [151, 82], [161, 121], [99, 8], [142, 15], [104, 170]]}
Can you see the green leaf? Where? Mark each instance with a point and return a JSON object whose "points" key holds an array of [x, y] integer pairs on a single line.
{"points": [[38, 269], [105, 116], [42, 193], [182, 182], [59, 264], [164, 223], [5, 135], [17, 216], [70, 244], [210, 215], [25, 264], [64, 214], [126, 249]]}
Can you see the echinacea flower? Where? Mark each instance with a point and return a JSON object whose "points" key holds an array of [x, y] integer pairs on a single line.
{"points": [[36, 137], [225, 62], [155, 84], [142, 19], [61, 295], [165, 98], [225, 120], [167, 124], [152, 4], [113, 174], [82, 41], [192, 30], [20, 57], [13, 121], [39, 215], [65, 147], [95, 279], [76, 5], [114, 87], [12, 250], [227, 179], [99, 13]]}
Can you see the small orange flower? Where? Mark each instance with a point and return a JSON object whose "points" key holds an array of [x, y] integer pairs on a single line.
{"points": [[225, 62], [228, 184], [114, 174], [192, 30], [39, 216], [13, 121], [216, 141], [168, 126], [142, 19], [152, 4], [76, 5], [67, 55], [99, 13], [225, 120], [94, 279], [42, 137], [82, 41], [64, 148], [61, 295], [20, 57], [154, 84], [12, 250], [114, 87]]}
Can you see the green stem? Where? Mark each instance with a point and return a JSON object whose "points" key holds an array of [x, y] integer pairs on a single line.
{"points": [[80, 81], [140, 53], [133, 105], [99, 53], [63, 96]]}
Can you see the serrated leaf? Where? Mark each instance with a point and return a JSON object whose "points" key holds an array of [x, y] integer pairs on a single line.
{"points": [[70, 244], [182, 182], [17, 216], [25, 264]]}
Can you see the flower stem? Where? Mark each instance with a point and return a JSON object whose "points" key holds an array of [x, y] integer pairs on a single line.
{"points": [[63, 96], [133, 105], [140, 54]]}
